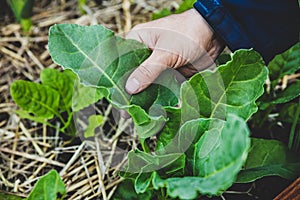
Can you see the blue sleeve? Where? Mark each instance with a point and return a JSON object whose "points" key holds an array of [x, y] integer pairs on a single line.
{"points": [[270, 27]]}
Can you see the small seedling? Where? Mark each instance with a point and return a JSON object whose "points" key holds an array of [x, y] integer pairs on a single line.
{"points": [[22, 10]]}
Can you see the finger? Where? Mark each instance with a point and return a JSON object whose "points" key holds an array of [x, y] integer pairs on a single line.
{"points": [[147, 72], [143, 35]]}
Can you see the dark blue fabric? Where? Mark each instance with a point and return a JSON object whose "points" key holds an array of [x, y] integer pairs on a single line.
{"points": [[268, 26]]}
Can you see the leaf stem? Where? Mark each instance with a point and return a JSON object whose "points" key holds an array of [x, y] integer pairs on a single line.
{"points": [[60, 117], [67, 123], [145, 146], [292, 132], [266, 115]]}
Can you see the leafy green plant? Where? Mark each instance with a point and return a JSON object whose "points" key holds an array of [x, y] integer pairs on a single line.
{"points": [[22, 10], [41, 102], [59, 93], [48, 187], [81, 4], [203, 145], [286, 103]]}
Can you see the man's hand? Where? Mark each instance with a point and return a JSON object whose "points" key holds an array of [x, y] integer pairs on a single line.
{"points": [[184, 42]]}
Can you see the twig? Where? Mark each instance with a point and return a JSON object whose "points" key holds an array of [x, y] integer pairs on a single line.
{"points": [[101, 172], [87, 173], [127, 15], [72, 160], [34, 59], [27, 134], [33, 157]]}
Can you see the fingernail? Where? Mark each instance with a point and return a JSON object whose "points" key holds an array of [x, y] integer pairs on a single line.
{"points": [[132, 85]]}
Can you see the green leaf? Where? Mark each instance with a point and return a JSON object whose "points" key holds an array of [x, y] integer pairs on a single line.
{"points": [[126, 191], [104, 60], [290, 93], [22, 10], [85, 96], [139, 161], [162, 13], [141, 166], [288, 171], [288, 112], [186, 187], [266, 152], [142, 182], [284, 64], [35, 98], [164, 167], [185, 5], [269, 158], [223, 58], [94, 122], [217, 158], [10, 197], [49, 187], [166, 140], [62, 82], [27, 9], [26, 115], [231, 88], [221, 152]]}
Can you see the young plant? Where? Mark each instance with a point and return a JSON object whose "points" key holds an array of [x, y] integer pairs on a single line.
{"points": [[22, 10], [58, 93], [48, 187], [284, 103], [203, 145], [81, 4]]}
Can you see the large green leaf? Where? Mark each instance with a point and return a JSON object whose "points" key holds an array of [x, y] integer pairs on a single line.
{"points": [[269, 158], [288, 171], [284, 64], [49, 187], [231, 88], [62, 82], [104, 60], [35, 98], [216, 158], [221, 151]]}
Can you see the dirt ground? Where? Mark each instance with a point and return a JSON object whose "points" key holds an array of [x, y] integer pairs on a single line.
{"points": [[29, 150]]}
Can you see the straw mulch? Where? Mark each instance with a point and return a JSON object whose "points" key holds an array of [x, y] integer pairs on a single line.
{"points": [[29, 150]]}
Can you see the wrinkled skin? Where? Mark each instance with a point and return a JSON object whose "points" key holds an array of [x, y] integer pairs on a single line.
{"points": [[181, 41]]}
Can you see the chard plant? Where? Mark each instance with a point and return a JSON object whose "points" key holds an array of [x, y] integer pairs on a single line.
{"points": [[53, 99], [202, 141], [204, 144]]}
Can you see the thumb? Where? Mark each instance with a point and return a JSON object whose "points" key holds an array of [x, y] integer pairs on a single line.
{"points": [[147, 72]]}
